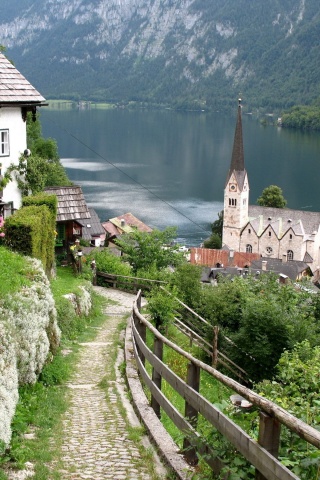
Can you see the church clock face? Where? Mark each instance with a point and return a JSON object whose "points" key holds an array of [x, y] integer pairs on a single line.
{"points": [[232, 187]]}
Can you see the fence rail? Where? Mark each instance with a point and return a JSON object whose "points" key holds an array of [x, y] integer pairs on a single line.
{"points": [[262, 454], [193, 325]]}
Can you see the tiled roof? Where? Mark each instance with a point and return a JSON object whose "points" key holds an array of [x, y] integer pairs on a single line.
{"points": [[127, 221], [71, 203], [91, 227], [14, 87]]}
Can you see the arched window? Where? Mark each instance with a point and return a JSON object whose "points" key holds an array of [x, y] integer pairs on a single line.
{"points": [[232, 202], [289, 255], [249, 248]]}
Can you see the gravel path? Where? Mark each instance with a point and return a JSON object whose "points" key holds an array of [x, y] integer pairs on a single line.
{"points": [[96, 428]]}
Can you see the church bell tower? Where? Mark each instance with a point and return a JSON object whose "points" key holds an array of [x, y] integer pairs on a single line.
{"points": [[236, 192]]}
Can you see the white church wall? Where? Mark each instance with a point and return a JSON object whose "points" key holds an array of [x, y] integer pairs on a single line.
{"points": [[249, 237]]}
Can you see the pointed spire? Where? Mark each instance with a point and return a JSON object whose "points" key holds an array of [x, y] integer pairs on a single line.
{"points": [[237, 159]]}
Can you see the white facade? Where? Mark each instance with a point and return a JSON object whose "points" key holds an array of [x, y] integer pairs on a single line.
{"points": [[278, 233], [12, 129]]}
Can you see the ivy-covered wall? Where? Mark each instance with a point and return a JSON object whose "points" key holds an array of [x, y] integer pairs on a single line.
{"points": [[31, 230]]}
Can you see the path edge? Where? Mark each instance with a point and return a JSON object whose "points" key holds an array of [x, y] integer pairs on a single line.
{"points": [[167, 448]]}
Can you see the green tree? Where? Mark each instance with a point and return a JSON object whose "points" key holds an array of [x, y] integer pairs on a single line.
{"points": [[272, 197], [144, 250], [217, 225], [162, 307], [214, 241]]}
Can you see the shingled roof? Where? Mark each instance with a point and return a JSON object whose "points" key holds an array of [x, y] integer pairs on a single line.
{"points": [[14, 87], [71, 203]]}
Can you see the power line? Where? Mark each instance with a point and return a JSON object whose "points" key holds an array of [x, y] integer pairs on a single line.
{"points": [[131, 178]]}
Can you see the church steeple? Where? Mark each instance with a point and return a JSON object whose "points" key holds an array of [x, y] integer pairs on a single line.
{"points": [[236, 192], [237, 160]]}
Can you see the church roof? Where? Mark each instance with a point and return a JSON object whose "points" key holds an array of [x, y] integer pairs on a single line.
{"points": [[281, 219], [14, 87], [237, 160]]}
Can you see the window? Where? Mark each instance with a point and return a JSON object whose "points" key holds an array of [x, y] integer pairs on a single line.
{"points": [[289, 255], [249, 230], [249, 248], [4, 142], [290, 236], [269, 250], [269, 234], [232, 202]]}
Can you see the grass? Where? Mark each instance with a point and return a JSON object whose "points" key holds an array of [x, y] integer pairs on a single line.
{"points": [[41, 406], [14, 272]]}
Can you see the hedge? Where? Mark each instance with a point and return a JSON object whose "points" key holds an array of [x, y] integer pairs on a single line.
{"points": [[31, 231]]}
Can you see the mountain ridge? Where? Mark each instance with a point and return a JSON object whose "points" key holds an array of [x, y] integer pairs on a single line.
{"points": [[192, 53]]}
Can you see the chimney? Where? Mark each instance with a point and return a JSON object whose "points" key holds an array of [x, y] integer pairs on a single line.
{"points": [[122, 222], [284, 258], [264, 265]]}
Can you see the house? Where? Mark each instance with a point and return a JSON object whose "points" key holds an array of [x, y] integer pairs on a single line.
{"points": [[273, 233], [92, 229], [123, 224], [71, 213], [17, 98]]}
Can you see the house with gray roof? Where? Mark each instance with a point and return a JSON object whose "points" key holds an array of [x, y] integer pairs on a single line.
{"points": [[72, 212], [92, 229], [274, 233], [17, 98]]}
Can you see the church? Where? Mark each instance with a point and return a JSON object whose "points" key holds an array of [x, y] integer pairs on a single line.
{"points": [[278, 233]]}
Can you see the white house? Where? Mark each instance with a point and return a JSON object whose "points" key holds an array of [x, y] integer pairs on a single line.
{"points": [[17, 97], [275, 233]]}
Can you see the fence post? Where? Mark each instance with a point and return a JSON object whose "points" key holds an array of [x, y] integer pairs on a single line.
{"points": [[215, 346], [142, 329], [193, 380], [269, 437], [156, 376]]}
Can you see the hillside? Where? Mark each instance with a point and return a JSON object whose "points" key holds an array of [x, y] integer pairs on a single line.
{"points": [[188, 53]]}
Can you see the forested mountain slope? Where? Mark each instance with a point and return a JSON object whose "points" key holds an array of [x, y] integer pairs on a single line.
{"points": [[180, 52]]}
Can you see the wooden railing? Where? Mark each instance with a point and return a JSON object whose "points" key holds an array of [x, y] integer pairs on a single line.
{"points": [[192, 325], [262, 454], [123, 282]]}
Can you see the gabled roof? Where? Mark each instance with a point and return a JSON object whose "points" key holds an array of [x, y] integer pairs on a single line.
{"points": [[91, 227], [14, 87], [301, 221], [125, 224], [237, 160], [71, 203]]}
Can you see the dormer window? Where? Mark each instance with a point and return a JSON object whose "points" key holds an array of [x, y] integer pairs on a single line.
{"points": [[4, 143]]}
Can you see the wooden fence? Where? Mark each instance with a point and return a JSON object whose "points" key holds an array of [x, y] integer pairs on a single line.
{"points": [[262, 454], [192, 325]]}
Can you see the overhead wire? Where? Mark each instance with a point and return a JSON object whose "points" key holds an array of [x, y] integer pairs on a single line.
{"points": [[202, 229]]}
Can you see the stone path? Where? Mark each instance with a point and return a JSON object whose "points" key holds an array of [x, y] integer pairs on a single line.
{"points": [[98, 429]]}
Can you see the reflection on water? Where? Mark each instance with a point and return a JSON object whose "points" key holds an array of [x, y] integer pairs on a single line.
{"points": [[169, 168]]}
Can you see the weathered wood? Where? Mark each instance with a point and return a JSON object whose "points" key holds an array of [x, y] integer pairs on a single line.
{"points": [[269, 437], [156, 375], [304, 431], [256, 455], [181, 423], [215, 346], [191, 413]]}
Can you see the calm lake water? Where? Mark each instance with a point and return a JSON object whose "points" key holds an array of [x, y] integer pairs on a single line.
{"points": [[169, 168]]}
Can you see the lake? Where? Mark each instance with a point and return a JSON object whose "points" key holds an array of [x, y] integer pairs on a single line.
{"points": [[169, 168]]}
